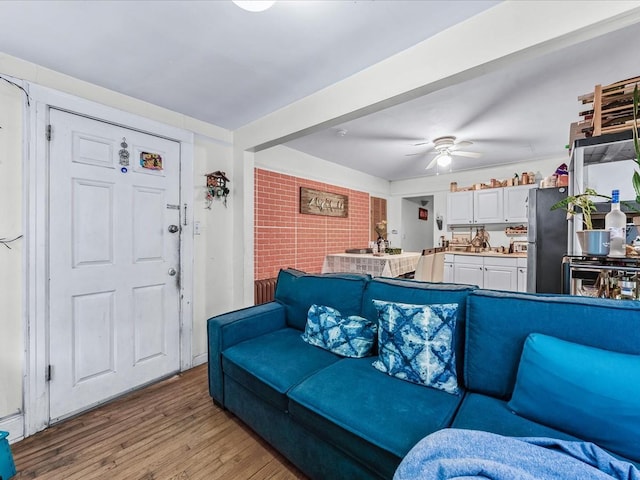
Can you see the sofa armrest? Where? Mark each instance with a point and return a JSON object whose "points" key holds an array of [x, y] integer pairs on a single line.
{"points": [[228, 329]]}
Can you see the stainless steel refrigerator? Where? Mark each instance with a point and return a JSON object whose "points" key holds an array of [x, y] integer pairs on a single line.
{"points": [[547, 240]]}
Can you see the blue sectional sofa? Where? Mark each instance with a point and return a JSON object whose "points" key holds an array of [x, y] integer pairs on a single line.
{"points": [[340, 418]]}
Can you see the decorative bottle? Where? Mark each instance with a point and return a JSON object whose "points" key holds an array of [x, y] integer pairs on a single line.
{"points": [[616, 222]]}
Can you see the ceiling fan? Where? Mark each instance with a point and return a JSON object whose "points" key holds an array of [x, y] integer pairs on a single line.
{"points": [[446, 148]]}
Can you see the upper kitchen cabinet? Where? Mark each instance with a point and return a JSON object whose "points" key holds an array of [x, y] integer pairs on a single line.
{"points": [[491, 205], [516, 204], [488, 206], [460, 208]]}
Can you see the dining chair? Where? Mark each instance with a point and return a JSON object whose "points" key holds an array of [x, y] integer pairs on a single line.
{"points": [[424, 268], [437, 270]]}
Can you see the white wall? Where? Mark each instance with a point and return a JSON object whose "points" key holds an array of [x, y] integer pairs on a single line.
{"points": [[11, 225], [292, 162], [213, 268], [416, 234]]}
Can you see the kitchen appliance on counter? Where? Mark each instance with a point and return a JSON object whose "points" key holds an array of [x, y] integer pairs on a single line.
{"points": [[547, 240]]}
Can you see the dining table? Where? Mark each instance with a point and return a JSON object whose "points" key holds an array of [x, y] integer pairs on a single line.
{"points": [[385, 265]]}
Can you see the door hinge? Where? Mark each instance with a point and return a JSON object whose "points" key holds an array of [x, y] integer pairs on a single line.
{"points": [[48, 373], [49, 130]]}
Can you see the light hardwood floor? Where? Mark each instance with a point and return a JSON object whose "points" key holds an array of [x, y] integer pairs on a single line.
{"points": [[167, 431]]}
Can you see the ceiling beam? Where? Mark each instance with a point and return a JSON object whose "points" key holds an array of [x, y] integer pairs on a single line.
{"points": [[509, 32]]}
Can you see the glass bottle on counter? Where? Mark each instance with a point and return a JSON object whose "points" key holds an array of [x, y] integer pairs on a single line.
{"points": [[616, 222]]}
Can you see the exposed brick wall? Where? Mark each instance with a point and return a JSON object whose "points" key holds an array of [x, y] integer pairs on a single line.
{"points": [[284, 237]]}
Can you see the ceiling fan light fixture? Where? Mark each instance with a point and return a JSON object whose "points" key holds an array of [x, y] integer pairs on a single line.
{"points": [[444, 159], [254, 5]]}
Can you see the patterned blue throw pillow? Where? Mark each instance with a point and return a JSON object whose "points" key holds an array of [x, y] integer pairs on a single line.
{"points": [[415, 343], [350, 337]]}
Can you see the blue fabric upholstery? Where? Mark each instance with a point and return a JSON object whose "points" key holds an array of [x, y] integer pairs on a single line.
{"points": [[420, 293], [368, 414], [481, 412], [456, 454], [297, 291], [271, 364], [498, 324], [351, 336], [589, 392], [341, 418], [231, 328], [317, 458], [416, 343], [410, 291]]}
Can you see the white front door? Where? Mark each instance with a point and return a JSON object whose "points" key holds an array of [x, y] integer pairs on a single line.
{"points": [[113, 260]]}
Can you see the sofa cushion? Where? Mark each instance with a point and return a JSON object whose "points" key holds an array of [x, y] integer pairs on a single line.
{"points": [[374, 417], [588, 392], [498, 324], [481, 412], [415, 343], [297, 291], [351, 336], [417, 293], [420, 293], [271, 364]]}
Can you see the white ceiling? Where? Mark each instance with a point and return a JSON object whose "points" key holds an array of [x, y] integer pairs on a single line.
{"points": [[519, 113], [215, 62]]}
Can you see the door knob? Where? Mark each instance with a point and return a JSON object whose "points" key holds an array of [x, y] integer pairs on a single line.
{"points": [[172, 271], [173, 228]]}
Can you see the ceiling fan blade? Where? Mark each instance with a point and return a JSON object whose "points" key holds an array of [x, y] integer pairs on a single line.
{"points": [[421, 143], [462, 144], [413, 154], [466, 154], [432, 163]]}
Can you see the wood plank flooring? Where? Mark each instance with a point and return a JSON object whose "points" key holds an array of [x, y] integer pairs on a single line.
{"points": [[167, 431]]}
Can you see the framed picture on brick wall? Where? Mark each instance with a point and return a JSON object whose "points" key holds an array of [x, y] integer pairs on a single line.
{"points": [[315, 202]]}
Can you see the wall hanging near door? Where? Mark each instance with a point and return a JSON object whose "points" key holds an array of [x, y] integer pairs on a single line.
{"points": [[217, 187], [124, 153], [152, 161]]}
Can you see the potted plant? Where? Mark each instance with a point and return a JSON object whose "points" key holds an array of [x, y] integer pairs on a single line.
{"points": [[592, 241]]}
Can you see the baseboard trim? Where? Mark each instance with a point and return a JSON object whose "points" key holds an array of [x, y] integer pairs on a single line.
{"points": [[200, 359], [14, 425]]}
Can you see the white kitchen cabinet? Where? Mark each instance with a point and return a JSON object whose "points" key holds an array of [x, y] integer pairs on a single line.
{"points": [[488, 271], [447, 276], [460, 208], [522, 274], [516, 203], [500, 274], [492, 205], [468, 270], [488, 206]]}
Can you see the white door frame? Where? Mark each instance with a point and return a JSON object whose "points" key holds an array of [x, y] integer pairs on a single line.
{"points": [[36, 390]]}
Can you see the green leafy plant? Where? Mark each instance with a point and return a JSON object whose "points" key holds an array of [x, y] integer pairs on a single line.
{"points": [[581, 203]]}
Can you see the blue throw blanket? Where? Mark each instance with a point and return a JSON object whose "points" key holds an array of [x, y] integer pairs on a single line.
{"points": [[470, 454]]}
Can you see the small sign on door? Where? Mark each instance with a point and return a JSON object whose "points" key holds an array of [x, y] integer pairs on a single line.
{"points": [[152, 161]]}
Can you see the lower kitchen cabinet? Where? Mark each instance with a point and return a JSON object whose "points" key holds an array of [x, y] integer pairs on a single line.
{"points": [[469, 270], [500, 277], [489, 271], [522, 274], [447, 276]]}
